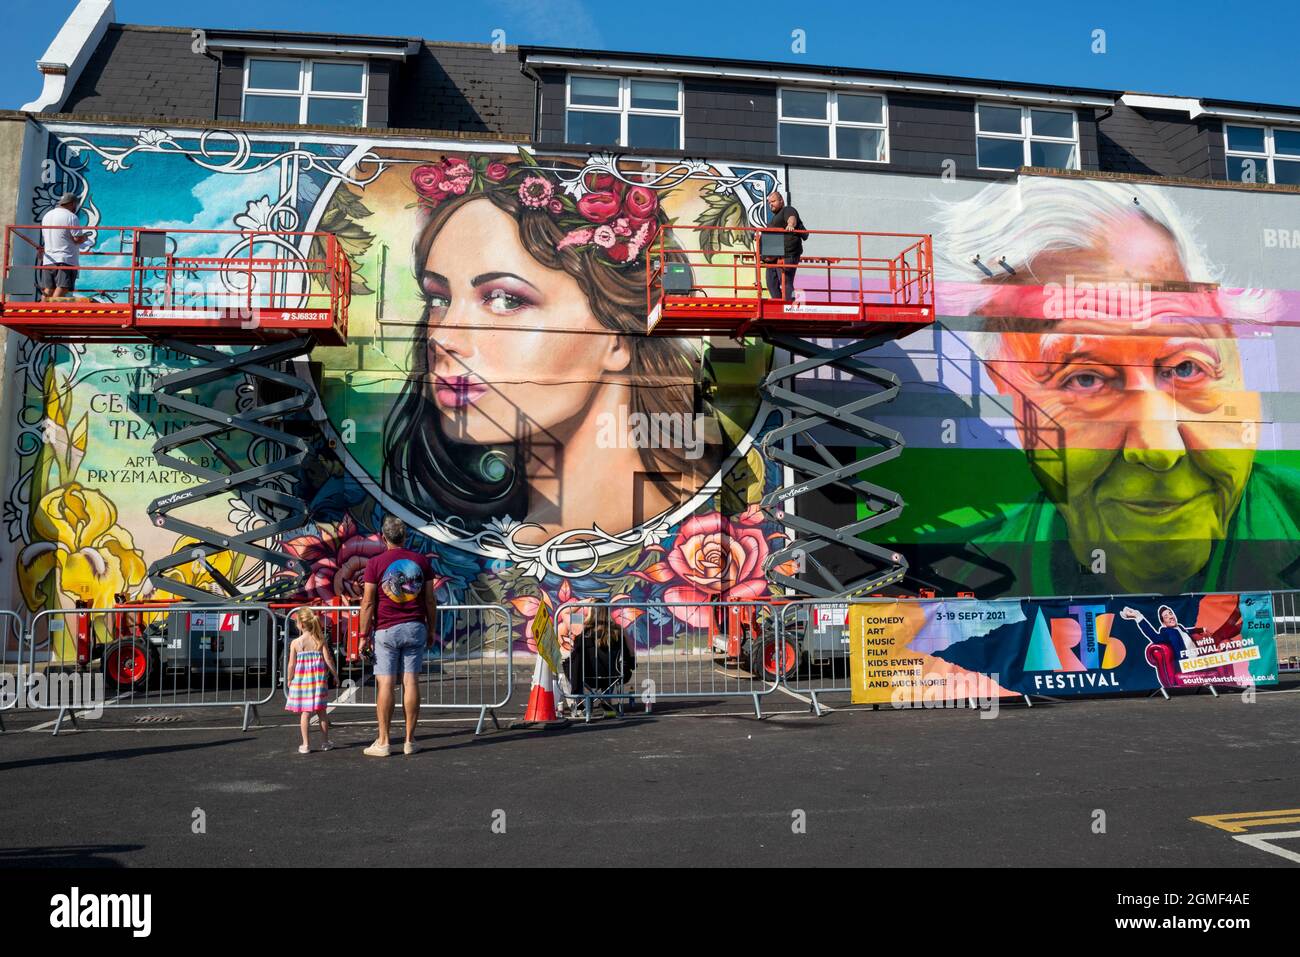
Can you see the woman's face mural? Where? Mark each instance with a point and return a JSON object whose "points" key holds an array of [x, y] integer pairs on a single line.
{"points": [[530, 371], [498, 321]]}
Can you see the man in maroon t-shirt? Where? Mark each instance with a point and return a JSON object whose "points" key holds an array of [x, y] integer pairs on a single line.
{"points": [[399, 588]]}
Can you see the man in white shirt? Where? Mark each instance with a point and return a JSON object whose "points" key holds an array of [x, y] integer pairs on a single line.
{"points": [[61, 240]]}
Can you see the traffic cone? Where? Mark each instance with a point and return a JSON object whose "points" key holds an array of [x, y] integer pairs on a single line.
{"points": [[541, 699]]}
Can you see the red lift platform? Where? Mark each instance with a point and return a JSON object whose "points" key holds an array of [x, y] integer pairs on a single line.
{"points": [[138, 283], [852, 292], [854, 284], [241, 305]]}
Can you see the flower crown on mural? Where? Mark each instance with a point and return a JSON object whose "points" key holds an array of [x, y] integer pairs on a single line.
{"points": [[613, 218]]}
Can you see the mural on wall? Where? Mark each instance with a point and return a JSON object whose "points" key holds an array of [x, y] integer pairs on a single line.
{"points": [[1105, 405], [493, 392], [1099, 410]]}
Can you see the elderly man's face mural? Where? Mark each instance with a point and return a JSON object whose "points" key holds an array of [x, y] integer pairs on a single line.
{"points": [[1134, 415]]}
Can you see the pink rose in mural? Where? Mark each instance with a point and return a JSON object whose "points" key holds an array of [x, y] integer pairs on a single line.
{"points": [[337, 560], [641, 203], [496, 171], [712, 556], [451, 177], [599, 207]]}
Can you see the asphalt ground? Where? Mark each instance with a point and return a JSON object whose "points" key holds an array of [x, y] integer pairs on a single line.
{"points": [[1106, 782]]}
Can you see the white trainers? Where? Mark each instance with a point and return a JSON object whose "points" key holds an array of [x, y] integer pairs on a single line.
{"points": [[409, 748], [304, 749], [378, 750]]}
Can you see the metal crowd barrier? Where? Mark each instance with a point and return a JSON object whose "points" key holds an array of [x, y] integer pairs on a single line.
{"points": [[1286, 626], [13, 639], [681, 650], [470, 666], [152, 655], [815, 643]]}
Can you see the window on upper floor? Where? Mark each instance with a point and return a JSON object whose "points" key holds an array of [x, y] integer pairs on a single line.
{"points": [[623, 111], [1262, 154], [830, 124], [324, 92], [1009, 136]]}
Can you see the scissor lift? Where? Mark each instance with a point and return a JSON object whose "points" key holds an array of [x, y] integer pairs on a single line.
{"points": [[853, 292], [278, 295]]}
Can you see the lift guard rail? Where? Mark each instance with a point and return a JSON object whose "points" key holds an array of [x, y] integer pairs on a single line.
{"points": [[236, 285], [712, 279]]}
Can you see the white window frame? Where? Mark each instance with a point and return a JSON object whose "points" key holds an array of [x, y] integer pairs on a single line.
{"points": [[1269, 154], [625, 108], [1026, 135], [833, 122], [304, 91]]}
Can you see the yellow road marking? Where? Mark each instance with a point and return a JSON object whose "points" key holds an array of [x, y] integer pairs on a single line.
{"points": [[1243, 821]]}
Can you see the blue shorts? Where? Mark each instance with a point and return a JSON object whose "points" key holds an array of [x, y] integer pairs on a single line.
{"points": [[406, 642]]}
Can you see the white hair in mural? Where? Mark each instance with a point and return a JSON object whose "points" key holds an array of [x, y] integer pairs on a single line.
{"points": [[1042, 213]]}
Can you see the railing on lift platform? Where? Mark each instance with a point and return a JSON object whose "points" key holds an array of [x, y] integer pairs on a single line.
{"points": [[144, 279], [839, 270]]}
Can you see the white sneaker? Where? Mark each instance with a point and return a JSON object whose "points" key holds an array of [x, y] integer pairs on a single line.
{"points": [[378, 750]]}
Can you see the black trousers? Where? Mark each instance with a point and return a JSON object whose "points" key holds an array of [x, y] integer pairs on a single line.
{"points": [[776, 272]]}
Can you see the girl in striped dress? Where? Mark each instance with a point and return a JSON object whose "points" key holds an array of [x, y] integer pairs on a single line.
{"points": [[309, 662]]}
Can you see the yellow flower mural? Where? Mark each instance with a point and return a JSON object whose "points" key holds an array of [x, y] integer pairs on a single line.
{"points": [[79, 550], [76, 548], [196, 574]]}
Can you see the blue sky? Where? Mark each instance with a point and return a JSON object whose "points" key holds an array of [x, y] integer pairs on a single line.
{"points": [[1190, 48]]}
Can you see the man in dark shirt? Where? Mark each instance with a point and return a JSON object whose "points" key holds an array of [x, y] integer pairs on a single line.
{"points": [[399, 600], [780, 278]]}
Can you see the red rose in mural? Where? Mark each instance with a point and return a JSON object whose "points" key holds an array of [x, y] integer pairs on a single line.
{"points": [[641, 203], [496, 171], [712, 556], [599, 207], [605, 183], [427, 181], [337, 560]]}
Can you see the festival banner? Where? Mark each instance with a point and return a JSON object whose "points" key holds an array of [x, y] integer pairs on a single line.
{"points": [[912, 653]]}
